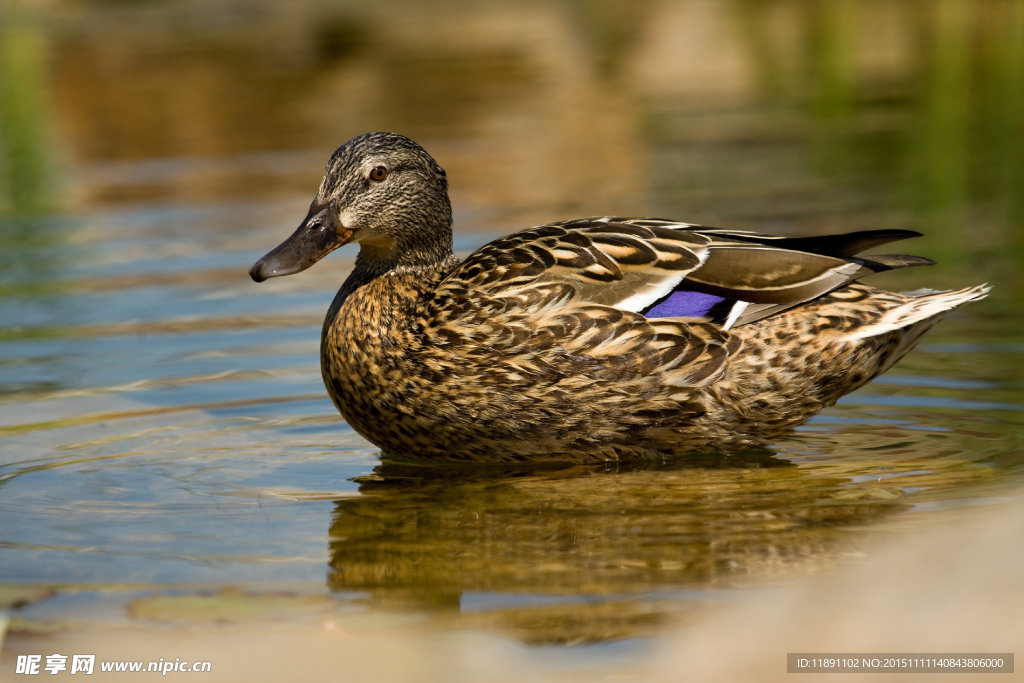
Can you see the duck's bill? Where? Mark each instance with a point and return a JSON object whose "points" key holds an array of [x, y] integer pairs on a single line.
{"points": [[319, 235]]}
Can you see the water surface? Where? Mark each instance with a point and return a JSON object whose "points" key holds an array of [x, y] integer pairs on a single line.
{"points": [[168, 454]]}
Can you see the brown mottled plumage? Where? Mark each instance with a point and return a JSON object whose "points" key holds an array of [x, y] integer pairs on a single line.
{"points": [[588, 340]]}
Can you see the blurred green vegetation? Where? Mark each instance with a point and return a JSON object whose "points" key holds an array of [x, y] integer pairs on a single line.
{"points": [[25, 179], [27, 186], [940, 141]]}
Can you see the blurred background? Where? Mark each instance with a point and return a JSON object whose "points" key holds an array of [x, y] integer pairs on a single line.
{"points": [[798, 115], [168, 454]]}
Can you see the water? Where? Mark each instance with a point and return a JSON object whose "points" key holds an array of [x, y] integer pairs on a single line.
{"points": [[168, 454]]}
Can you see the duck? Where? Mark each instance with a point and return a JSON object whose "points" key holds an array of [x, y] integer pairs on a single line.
{"points": [[602, 339]]}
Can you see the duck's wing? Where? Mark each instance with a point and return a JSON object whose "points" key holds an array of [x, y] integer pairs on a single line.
{"points": [[614, 298], [666, 269]]}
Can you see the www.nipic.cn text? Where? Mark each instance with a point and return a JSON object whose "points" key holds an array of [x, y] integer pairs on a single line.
{"points": [[85, 664]]}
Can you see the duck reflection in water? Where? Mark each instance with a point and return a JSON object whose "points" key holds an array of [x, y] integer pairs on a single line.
{"points": [[568, 554]]}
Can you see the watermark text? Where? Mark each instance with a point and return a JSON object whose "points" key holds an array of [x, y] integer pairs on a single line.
{"points": [[33, 665]]}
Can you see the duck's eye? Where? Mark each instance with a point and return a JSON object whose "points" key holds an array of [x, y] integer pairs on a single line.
{"points": [[379, 173]]}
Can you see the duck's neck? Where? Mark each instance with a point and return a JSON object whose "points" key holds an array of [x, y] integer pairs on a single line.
{"points": [[376, 260], [414, 248], [387, 279]]}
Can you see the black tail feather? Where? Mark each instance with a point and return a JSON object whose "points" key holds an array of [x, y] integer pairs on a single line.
{"points": [[840, 246]]}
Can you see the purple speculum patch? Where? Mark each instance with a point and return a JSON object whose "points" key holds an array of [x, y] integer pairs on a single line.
{"points": [[685, 303]]}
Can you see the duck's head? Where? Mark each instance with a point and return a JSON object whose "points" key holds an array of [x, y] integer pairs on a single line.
{"points": [[381, 190]]}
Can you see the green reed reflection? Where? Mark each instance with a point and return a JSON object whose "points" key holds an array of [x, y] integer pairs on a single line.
{"points": [[1002, 50], [938, 152], [829, 26], [24, 172], [934, 131]]}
